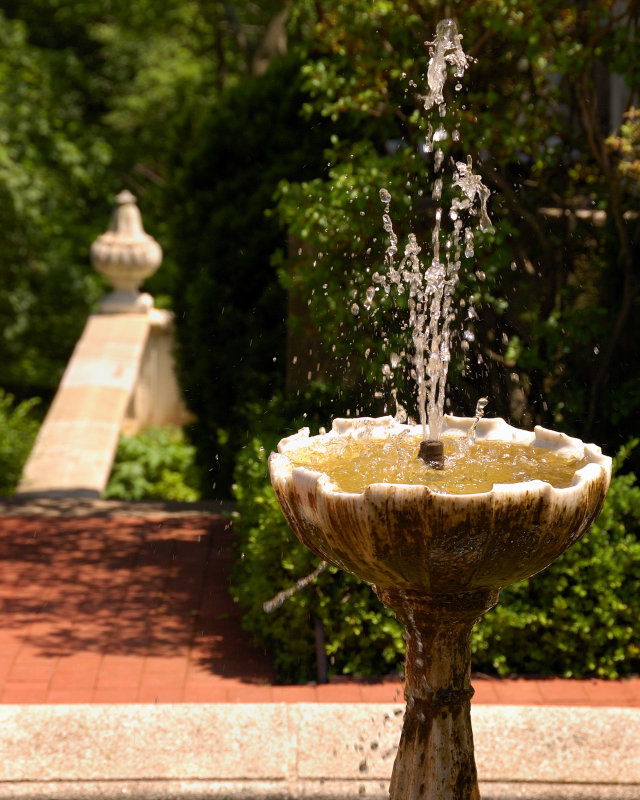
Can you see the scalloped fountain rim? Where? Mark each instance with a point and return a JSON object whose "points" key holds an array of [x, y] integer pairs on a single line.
{"points": [[488, 429]]}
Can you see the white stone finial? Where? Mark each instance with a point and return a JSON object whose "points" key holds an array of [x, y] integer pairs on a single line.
{"points": [[126, 256]]}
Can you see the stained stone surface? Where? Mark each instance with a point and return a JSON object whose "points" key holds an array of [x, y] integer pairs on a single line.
{"points": [[301, 750], [143, 742]]}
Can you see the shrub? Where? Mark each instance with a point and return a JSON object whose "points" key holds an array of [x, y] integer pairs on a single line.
{"points": [[156, 464], [578, 618], [18, 429], [362, 637]]}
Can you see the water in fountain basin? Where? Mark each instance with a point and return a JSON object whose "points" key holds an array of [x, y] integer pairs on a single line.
{"points": [[431, 288], [353, 464]]}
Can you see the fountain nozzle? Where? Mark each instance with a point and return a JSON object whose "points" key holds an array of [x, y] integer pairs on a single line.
{"points": [[432, 453]]}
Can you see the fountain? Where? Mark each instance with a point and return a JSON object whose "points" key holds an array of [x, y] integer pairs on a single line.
{"points": [[438, 554], [439, 560]]}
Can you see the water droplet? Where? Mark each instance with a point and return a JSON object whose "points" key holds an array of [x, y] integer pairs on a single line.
{"points": [[440, 135], [355, 309], [385, 196]]}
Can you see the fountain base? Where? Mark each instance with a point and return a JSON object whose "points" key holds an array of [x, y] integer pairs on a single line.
{"points": [[435, 759]]}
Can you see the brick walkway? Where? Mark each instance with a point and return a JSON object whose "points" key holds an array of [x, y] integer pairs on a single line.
{"points": [[123, 609]]}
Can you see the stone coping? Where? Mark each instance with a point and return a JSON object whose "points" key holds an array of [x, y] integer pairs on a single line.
{"points": [[302, 750], [69, 504]]}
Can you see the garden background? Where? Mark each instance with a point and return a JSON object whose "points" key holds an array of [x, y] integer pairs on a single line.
{"points": [[256, 136]]}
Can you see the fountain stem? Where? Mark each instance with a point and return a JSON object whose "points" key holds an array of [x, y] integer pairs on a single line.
{"points": [[435, 757]]}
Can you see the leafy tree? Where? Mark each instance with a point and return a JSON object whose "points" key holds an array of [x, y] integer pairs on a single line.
{"points": [[94, 96], [51, 164], [555, 286], [230, 309]]}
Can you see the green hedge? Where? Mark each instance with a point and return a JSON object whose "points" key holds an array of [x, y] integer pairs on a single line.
{"points": [[578, 618], [362, 636], [18, 429], [156, 464]]}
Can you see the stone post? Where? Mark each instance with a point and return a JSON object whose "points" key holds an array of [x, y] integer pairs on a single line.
{"points": [[126, 256]]}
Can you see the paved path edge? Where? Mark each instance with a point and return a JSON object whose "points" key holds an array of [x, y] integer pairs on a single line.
{"points": [[314, 790], [284, 750]]}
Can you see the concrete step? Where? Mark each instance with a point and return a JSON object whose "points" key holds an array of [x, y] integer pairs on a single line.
{"points": [[302, 750]]}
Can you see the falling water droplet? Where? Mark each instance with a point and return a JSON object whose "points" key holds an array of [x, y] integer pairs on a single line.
{"points": [[440, 135]]}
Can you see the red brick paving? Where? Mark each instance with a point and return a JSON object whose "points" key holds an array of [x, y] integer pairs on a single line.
{"points": [[113, 609]]}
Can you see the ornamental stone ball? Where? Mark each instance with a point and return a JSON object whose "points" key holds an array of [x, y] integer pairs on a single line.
{"points": [[126, 256]]}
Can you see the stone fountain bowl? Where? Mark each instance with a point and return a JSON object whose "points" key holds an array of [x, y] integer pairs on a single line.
{"points": [[410, 538]]}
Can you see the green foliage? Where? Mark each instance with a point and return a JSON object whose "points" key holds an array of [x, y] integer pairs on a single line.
{"points": [[95, 96], [626, 146], [554, 295], [18, 429], [362, 637], [578, 618], [230, 310], [51, 160], [156, 464]]}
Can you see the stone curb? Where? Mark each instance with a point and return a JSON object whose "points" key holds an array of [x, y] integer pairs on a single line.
{"points": [[314, 790], [324, 751], [66, 504]]}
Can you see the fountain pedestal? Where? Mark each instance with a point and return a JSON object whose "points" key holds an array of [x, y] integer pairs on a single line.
{"points": [[435, 755]]}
